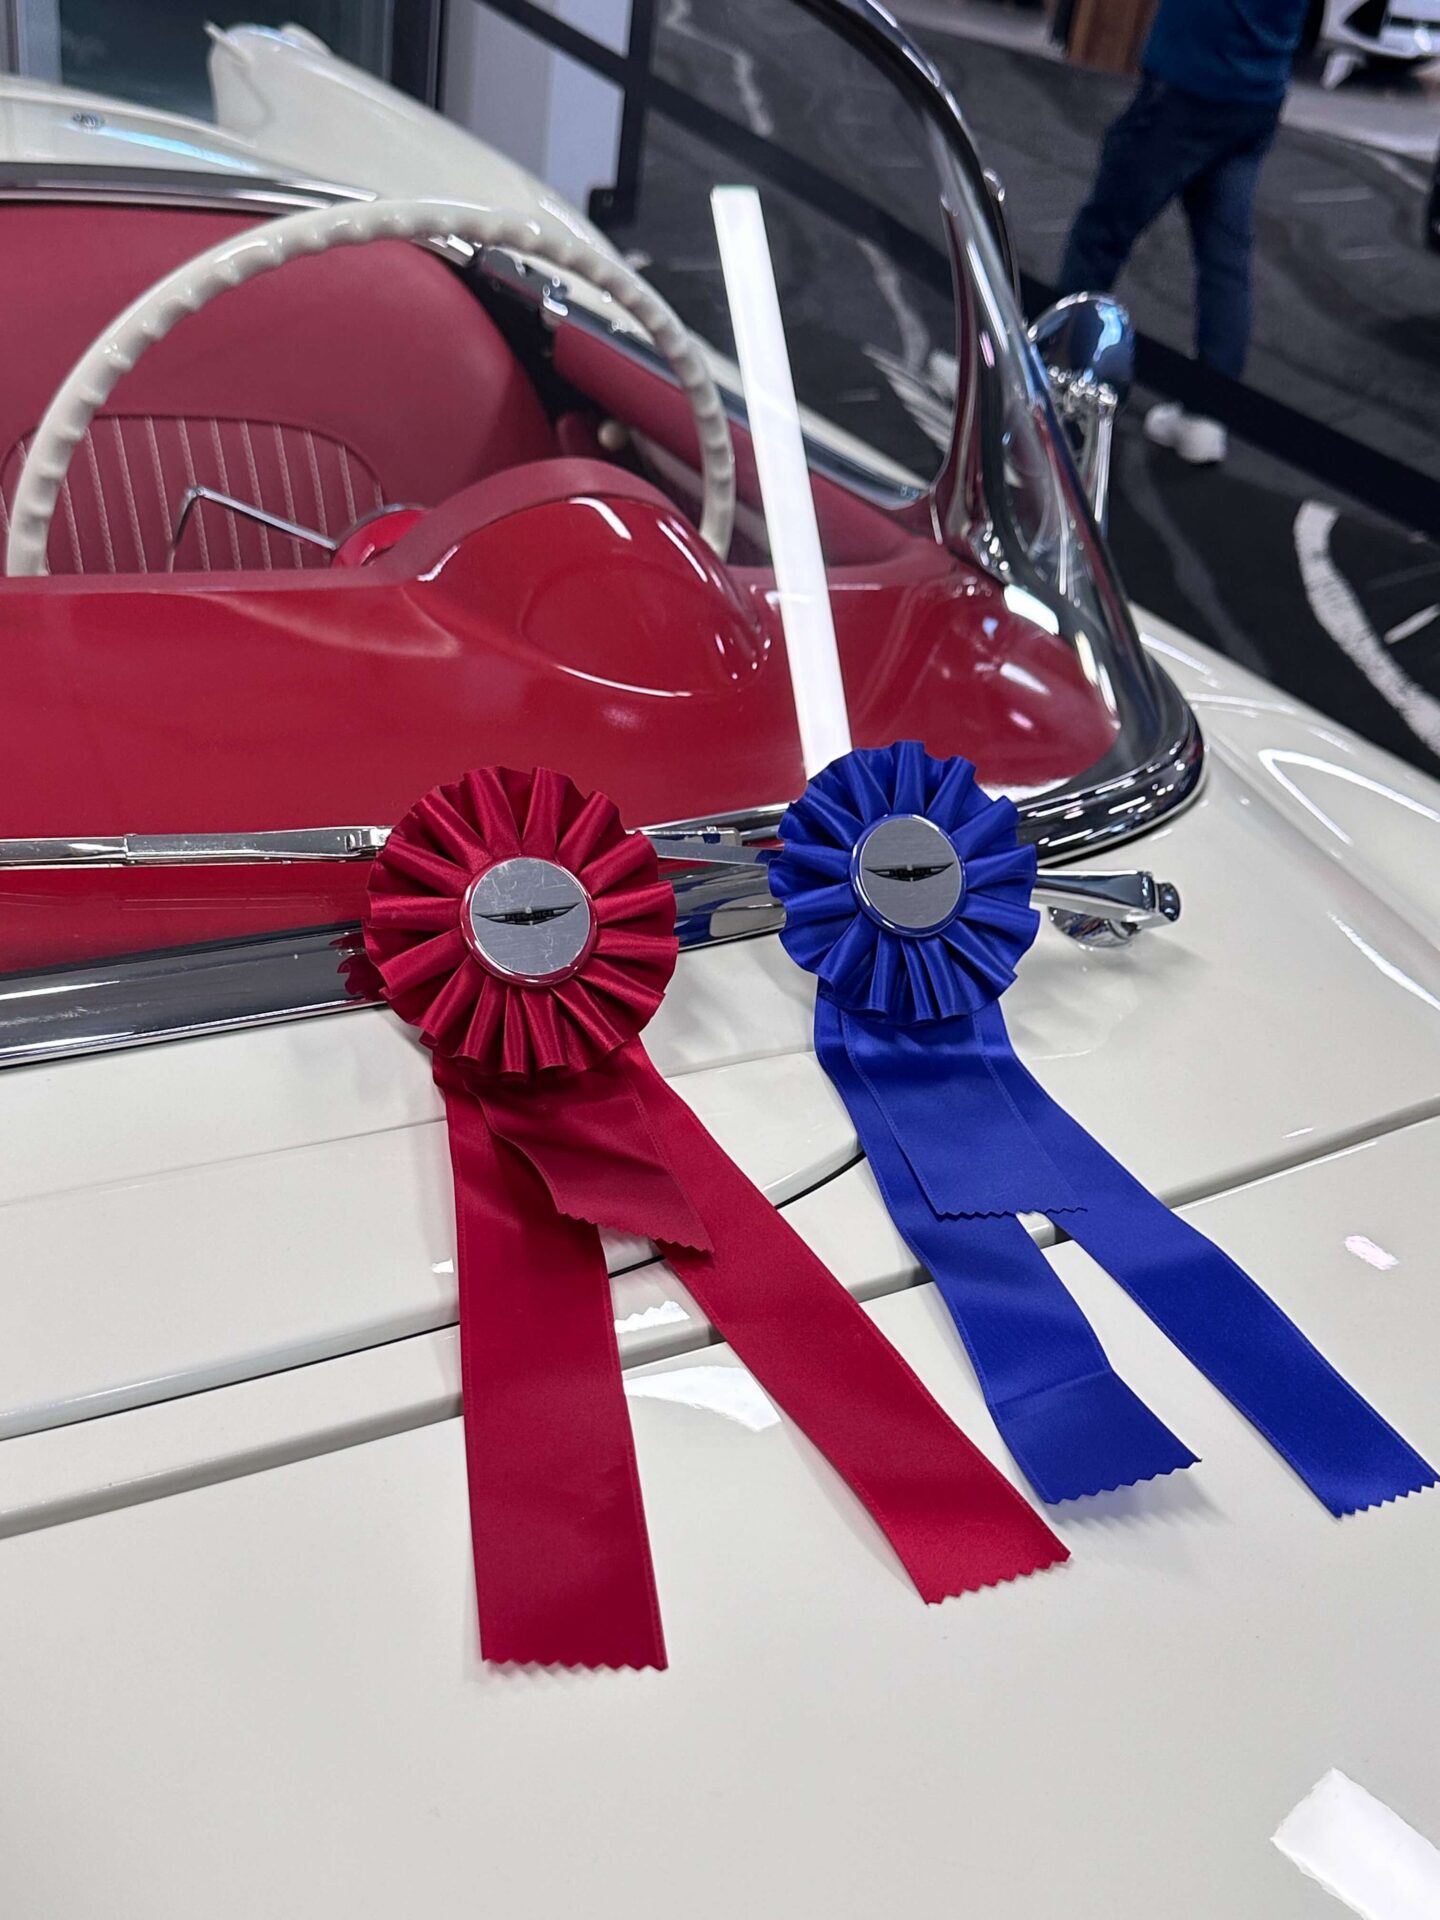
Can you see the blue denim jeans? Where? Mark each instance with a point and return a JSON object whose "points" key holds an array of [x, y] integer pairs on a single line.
{"points": [[1171, 145]]}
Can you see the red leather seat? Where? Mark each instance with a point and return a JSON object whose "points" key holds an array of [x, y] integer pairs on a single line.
{"points": [[335, 385]]}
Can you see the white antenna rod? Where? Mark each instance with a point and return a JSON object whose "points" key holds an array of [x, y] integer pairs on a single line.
{"points": [[804, 594]]}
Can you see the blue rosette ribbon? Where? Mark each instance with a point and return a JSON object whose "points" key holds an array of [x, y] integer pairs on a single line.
{"points": [[907, 894]]}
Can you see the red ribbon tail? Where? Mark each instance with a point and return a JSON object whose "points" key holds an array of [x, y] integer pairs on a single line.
{"points": [[562, 1561], [955, 1521]]}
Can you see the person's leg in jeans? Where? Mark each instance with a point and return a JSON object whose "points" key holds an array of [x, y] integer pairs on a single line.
{"points": [[1147, 157], [1220, 207]]}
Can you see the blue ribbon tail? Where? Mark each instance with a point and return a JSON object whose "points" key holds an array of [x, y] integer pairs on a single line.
{"points": [[1217, 1316], [1072, 1424]]}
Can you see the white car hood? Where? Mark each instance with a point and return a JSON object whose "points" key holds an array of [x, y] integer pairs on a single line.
{"points": [[271, 1678], [238, 1625]]}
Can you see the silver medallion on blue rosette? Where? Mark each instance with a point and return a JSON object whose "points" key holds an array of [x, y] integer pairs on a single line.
{"points": [[907, 893], [905, 886]]}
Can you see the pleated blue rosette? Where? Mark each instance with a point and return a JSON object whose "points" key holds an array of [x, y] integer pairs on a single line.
{"points": [[907, 894]]}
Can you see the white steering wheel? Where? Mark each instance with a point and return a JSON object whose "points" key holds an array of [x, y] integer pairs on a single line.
{"points": [[261, 249]]}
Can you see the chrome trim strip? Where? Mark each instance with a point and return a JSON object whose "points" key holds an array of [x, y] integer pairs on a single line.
{"points": [[1077, 824], [130, 1002], [283, 845], [172, 187], [177, 995], [185, 993]]}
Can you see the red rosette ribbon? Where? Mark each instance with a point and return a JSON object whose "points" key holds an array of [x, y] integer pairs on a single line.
{"points": [[530, 938]]}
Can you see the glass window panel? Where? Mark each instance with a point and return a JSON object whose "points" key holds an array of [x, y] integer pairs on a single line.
{"points": [[153, 51]]}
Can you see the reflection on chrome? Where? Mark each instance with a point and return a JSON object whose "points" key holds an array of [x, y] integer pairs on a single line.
{"points": [[1028, 606]]}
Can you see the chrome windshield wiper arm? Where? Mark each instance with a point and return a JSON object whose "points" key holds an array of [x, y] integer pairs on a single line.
{"points": [[1097, 909], [196, 849], [704, 845]]}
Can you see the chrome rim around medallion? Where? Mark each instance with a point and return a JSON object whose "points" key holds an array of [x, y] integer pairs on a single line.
{"points": [[907, 874], [528, 920]]}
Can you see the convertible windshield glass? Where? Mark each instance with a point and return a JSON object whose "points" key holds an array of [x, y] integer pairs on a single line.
{"points": [[395, 509]]}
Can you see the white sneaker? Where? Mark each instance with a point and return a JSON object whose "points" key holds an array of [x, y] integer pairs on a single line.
{"points": [[1162, 423], [1204, 443]]}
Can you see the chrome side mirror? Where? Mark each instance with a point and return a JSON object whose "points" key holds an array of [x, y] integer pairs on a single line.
{"points": [[1087, 344]]}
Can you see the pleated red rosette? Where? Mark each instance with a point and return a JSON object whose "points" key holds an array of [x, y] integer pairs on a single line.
{"points": [[530, 938]]}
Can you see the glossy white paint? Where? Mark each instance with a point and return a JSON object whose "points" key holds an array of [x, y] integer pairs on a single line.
{"points": [[164, 1445], [1368, 811], [280, 1259], [286, 95], [284, 104], [44, 124], [1361, 1851], [265, 1693]]}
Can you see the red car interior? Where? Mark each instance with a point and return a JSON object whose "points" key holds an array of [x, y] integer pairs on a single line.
{"points": [[552, 608], [363, 376]]}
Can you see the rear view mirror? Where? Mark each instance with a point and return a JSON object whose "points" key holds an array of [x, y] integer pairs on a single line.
{"points": [[1087, 344]]}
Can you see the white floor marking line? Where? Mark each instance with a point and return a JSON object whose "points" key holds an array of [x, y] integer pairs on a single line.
{"points": [[1335, 607], [913, 333], [803, 589], [1415, 624], [679, 19], [932, 414], [1362, 1852]]}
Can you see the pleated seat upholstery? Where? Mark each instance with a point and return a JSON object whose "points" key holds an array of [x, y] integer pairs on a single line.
{"points": [[318, 393]]}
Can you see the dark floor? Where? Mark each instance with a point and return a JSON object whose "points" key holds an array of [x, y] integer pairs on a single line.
{"points": [[1347, 327], [1354, 630]]}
